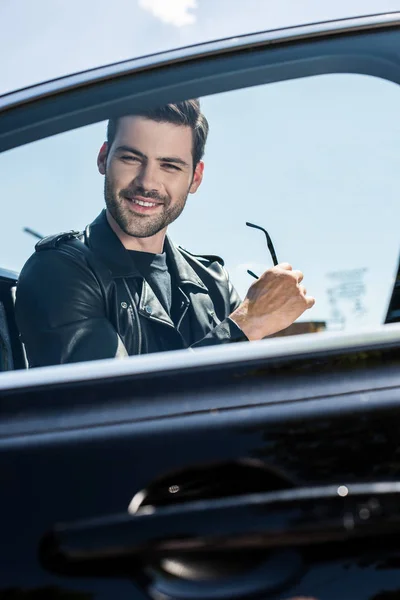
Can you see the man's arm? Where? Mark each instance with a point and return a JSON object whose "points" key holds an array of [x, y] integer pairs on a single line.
{"points": [[60, 312], [272, 304], [227, 331]]}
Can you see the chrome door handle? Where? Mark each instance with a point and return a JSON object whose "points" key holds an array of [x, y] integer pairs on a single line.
{"points": [[287, 518]]}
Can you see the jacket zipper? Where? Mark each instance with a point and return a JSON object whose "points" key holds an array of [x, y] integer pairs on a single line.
{"points": [[181, 317], [135, 310]]}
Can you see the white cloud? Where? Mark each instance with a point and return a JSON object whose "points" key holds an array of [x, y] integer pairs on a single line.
{"points": [[173, 12]]}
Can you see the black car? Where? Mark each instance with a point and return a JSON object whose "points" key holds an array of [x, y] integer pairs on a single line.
{"points": [[265, 470]]}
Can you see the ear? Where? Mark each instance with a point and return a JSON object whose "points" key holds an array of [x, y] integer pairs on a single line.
{"points": [[197, 177], [102, 159]]}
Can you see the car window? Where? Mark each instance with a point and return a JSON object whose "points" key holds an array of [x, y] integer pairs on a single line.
{"points": [[312, 160]]}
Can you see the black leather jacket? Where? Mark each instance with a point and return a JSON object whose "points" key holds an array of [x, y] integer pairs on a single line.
{"points": [[85, 301]]}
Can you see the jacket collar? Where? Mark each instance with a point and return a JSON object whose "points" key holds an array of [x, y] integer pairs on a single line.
{"points": [[183, 272], [106, 244]]}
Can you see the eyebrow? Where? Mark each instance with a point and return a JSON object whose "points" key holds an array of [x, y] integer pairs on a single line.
{"points": [[174, 159], [170, 159], [131, 149]]}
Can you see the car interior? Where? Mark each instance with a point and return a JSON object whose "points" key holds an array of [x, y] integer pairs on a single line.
{"points": [[12, 355]]}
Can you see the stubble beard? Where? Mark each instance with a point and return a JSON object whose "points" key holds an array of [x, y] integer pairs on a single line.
{"points": [[141, 226]]}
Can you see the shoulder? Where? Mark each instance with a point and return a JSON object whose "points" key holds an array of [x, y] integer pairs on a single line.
{"points": [[54, 254], [69, 246], [52, 242], [66, 246], [205, 259]]}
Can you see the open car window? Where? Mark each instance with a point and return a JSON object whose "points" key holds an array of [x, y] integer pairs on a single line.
{"points": [[312, 159]]}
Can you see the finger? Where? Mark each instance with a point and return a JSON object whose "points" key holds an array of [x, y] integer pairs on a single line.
{"points": [[285, 266], [303, 290], [298, 275], [310, 301]]}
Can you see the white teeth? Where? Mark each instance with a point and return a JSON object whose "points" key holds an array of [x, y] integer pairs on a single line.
{"points": [[142, 203]]}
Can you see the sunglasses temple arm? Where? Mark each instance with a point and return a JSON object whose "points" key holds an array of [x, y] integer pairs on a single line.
{"points": [[271, 249], [252, 274], [269, 243]]}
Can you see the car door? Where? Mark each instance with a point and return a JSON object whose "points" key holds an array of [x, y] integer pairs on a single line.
{"points": [[265, 470]]}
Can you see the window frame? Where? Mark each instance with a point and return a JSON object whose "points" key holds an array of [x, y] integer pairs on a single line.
{"points": [[362, 46]]}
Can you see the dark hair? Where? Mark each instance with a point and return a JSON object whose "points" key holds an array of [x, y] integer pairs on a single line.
{"points": [[186, 113]]}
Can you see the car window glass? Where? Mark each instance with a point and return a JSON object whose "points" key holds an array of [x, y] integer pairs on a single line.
{"points": [[314, 161]]}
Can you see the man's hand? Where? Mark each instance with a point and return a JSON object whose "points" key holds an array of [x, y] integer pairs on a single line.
{"points": [[272, 303]]}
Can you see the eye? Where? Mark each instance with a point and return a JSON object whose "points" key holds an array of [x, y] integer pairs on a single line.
{"points": [[172, 167], [130, 158]]}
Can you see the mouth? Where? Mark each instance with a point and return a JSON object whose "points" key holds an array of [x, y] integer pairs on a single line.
{"points": [[143, 204]]}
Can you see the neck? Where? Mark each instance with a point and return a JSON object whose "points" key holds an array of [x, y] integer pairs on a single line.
{"points": [[153, 244]]}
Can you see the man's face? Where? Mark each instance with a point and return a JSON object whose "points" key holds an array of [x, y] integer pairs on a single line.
{"points": [[148, 174]]}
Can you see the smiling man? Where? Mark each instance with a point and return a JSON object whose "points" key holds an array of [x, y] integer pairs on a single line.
{"points": [[122, 287], [150, 167]]}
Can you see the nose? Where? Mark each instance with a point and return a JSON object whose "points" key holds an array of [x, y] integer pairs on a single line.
{"points": [[147, 178]]}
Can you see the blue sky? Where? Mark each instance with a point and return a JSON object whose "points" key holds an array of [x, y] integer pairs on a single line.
{"points": [[315, 161], [43, 39]]}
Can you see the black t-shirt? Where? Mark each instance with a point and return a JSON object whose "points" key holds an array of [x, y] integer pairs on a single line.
{"points": [[154, 269]]}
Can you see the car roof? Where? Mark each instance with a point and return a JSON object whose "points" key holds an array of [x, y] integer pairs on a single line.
{"points": [[195, 51], [79, 36]]}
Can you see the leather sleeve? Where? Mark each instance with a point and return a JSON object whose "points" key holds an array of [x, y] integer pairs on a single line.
{"points": [[227, 331], [60, 312]]}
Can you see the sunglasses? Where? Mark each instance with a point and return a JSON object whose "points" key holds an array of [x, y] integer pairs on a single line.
{"points": [[269, 244]]}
